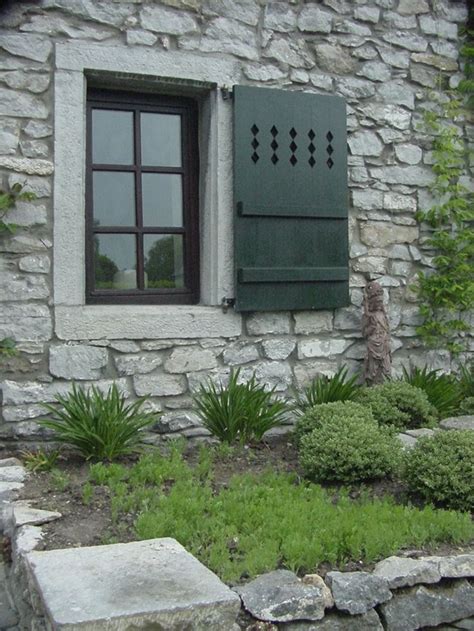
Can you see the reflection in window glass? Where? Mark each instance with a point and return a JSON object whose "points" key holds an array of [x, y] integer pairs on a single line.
{"points": [[113, 198], [161, 140], [112, 137], [162, 200], [115, 261], [163, 261]]}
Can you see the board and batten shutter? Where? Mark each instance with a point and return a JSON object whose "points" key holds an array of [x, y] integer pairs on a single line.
{"points": [[290, 200]]}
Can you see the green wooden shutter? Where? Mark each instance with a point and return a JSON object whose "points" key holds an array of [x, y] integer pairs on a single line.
{"points": [[290, 198]]}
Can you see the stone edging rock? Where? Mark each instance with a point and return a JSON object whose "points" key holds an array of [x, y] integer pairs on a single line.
{"points": [[401, 594]]}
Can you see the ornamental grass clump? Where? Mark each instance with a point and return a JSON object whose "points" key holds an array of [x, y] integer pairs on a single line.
{"points": [[99, 426], [347, 448], [399, 404], [319, 414], [323, 389], [241, 412], [443, 391], [440, 469]]}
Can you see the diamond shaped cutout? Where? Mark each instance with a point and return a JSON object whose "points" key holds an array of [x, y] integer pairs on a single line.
{"points": [[255, 157], [274, 145], [293, 132], [329, 149], [293, 160], [312, 162], [254, 129], [255, 143], [293, 146], [274, 158], [274, 131], [311, 134], [330, 163], [311, 148], [329, 136]]}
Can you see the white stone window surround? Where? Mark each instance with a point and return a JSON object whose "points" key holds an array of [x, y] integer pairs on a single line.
{"points": [[74, 319]]}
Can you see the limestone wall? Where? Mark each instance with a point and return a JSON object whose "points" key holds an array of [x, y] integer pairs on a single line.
{"points": [[381, 55]]}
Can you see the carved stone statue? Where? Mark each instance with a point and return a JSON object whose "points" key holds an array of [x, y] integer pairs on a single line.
{"points": [[376, 330]]}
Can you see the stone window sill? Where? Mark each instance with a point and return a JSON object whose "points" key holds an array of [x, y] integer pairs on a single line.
{"points": [[95, 322]]}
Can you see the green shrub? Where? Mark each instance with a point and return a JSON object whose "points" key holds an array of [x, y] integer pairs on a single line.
{"points": [[349, 449], [399, 404], [441, 469], [320, 414], [239, 411], [325, 389], [443, 391], [99, 425]]}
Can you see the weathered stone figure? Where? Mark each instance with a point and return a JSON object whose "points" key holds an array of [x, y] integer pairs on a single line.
{"points": [[376, 330]]}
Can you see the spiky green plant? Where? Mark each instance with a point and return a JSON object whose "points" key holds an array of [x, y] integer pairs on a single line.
{"points": [[325, 389], [100, 426], [239, 411], [443, 391]]}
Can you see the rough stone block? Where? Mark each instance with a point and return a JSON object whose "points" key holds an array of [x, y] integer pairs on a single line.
{"points": [[422, 606], [77, 362], [321, 348], [357, 592], [144, 584], [280, 596], [403, 572], [159, 385], [190, 359], [307, 322], [271, 323]]}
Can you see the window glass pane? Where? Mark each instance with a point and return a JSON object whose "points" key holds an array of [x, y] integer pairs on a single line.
{"points": [[112, 137], [113, 198], [163, 261], [115, 261], [162, 200], [161, 140]]}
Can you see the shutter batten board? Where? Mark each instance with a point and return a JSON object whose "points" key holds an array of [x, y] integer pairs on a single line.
{"points": [[290, 195]]}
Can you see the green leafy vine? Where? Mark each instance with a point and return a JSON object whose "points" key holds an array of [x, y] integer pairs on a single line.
{"points": [[446, 292]]}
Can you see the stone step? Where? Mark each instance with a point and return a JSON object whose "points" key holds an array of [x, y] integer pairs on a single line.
{"points": [[131, 585]]}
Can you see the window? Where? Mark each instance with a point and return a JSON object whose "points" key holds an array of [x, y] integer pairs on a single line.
{"points": [[142, 241]]}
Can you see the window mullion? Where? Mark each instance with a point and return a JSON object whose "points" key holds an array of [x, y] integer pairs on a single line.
{"points": [[139, 202]]}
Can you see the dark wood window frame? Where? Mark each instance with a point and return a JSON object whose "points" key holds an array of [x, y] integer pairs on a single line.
{"points": [[187, 109]]}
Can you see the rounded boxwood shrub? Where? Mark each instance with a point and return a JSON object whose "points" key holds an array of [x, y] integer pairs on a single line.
{"points": [[346, 448], [319, 414], [440, 469], [399, 404]]}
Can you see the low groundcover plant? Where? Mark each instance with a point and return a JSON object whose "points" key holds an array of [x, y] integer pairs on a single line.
{"points": [[100, 426], [259, 522]]}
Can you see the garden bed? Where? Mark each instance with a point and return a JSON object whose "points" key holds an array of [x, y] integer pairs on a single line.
{"points": [[97, 511]]}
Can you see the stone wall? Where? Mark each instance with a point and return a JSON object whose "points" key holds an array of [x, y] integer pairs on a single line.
{"points": [[381, 55]]}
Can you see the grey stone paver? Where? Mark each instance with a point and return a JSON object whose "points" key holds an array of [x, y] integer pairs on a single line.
{"points": [[154, 582]]}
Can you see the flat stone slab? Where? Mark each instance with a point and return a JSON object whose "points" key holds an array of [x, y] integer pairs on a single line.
{"points": [[458, 422], [21, 514], [131, 585]]}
